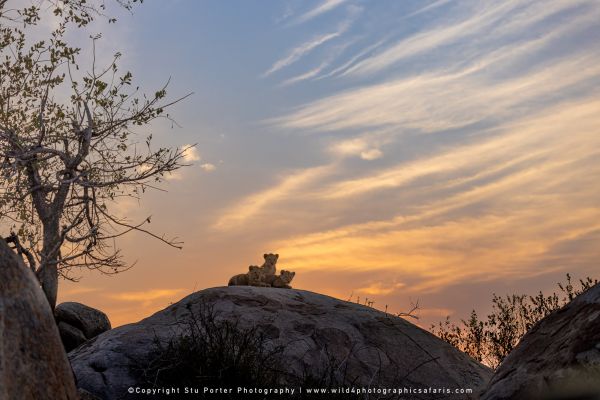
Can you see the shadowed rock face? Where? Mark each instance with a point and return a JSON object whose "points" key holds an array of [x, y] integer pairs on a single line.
{"points": [[78, 323], [376, 347], [33, 363], [558, 359]]}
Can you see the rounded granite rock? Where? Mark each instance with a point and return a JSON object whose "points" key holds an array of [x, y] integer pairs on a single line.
{"points": [[558, 359], [33, 363], [78, 323], [373, 346]]}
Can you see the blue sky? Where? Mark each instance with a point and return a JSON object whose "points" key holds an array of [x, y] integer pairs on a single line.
{"points": [[440, 150]]}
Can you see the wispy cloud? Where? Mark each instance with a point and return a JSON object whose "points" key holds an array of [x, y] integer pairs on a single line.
{"points": [[380, 288], [493, 201], [457, 99], [325, 6], [300, 51], [365, 147], [371, 154], [208, 167], [506, 225], [252, 205], [307, 75], [190, 153], [481, 20], [316, 73], [146, 297], [428, 7], [356, 57]]}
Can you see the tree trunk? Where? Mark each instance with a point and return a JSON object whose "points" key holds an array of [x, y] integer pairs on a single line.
{"points": [[48, 272]]}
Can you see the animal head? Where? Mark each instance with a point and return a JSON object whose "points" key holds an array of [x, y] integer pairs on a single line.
{"points": [[271, 259], [254, 271], [287, 276]]}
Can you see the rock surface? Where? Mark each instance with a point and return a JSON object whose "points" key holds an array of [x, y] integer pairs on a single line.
{"points": [[70, 336], [559, 358], [85, 395], [372, 343], [33, 363], [78, 323]]}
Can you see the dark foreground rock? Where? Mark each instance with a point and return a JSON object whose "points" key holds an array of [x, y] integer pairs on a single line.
{"points": [[371, 347], [78, 323], [85, 395], [33, 363], [559, 358]]}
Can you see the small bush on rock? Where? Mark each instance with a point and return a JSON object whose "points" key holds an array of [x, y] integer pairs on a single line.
{"points": [[213, 353]]}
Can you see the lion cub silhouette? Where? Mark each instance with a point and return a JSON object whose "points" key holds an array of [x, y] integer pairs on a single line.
{"points": [[264, 275], [269, 265], [281, 281], [254, 277]]}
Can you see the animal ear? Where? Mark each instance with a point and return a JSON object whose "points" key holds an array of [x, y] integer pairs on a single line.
{"points": [[276, 255], [265, 256], [283, 272], [293, 274]]}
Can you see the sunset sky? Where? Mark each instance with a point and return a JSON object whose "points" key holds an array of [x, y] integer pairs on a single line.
{"points": [[396, 150]]}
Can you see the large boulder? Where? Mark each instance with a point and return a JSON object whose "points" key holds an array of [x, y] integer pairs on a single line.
{"points": [[372, 348], [33, 363], [78, 323], [559, 358]]}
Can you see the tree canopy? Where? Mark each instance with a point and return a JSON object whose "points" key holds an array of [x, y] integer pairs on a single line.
{"points": [[72, 143]]}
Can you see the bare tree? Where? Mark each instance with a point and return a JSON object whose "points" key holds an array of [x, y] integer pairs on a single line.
{"points": [[71, 145]]}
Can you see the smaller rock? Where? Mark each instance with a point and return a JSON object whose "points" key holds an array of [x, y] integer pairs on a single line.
{"points": [[78, 323], [71, 337]]}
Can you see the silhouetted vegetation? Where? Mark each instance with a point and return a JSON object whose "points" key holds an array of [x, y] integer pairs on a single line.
{"points": [[412, 313], [214, 353], [490, 340]]}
